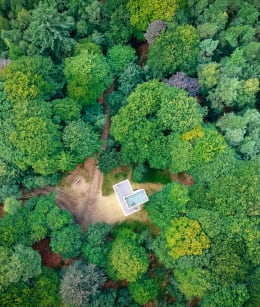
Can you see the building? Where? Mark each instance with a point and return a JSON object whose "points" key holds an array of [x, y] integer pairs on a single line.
{"points": [[130, 201]]}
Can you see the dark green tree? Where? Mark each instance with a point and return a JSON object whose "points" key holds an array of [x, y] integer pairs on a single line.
{"points": [[49, 31], [80, 140]]}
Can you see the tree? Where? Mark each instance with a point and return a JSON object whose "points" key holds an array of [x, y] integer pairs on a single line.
{"points": [[155, 28], [185, 237], [11, 205], [166, 204], [192, 282], [234, 294], [87, 75], [116, 22], [156, 114], [241, 132], [183, 81], [45, 290], [49, 32], [18, 264], [144, 290], [67, 241], [119, 57], [80, 140], [95, 249], [174, 50], [66, 109], [34, 77], [127, 259], [79, 282], [38, 140], [144, 12]]}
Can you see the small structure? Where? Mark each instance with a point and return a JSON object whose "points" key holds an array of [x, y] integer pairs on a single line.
{"points": [[130, 201]]}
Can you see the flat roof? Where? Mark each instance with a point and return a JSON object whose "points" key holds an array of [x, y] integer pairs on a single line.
{"points": [[129, 200]]}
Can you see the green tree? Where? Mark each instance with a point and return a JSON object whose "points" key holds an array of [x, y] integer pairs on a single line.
{"points": [[241, 132], [95, 249], [79, 282], [49, 32], [154, 114], [45, 290], [143, 290], [11, 205], [87, 75], [185, 237], [67, 241], [66, 109], [144, 12], [166, 204], [127, 259], [174, 50], [119, 57], [38, 140], [80, 140], [116, 22], [18, 264], [33, 77]]}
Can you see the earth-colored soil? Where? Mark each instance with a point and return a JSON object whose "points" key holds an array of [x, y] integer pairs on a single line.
{"points": [[1, 211], [49, 258]]}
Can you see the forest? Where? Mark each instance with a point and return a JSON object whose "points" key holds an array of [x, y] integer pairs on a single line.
{"points": [[162, 92]]}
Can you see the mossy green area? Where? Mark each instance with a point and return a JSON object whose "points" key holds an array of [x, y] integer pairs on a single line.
{"points": [[158, 176], [113, 177]]}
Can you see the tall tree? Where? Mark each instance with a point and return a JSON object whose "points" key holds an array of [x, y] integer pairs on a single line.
{"points": [[87, 74]]}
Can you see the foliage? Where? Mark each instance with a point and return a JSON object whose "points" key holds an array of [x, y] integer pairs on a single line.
{"points": [[144, 12], [139, 173], [183, 81], [87, 75], [116, 23], [108, 160], [105, 298], [126, 82], [95, 249], [80, 140], [67, 241], [154, 114], [18, 264], [34, 77], [144, 290], [66, 109], [49, 32], [185, 237], [46, 289], [154, 29], [192, 281], [167, 204], [127, 259], [11, 205], [119, 57], [94, 115], [79, 282], [174, 50], [242, 132]]}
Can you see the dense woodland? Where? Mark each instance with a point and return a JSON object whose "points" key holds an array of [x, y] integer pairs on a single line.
{"points": [[185, 76]]}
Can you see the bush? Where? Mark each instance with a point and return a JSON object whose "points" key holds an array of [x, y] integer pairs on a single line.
{"points": [[139, 173]]}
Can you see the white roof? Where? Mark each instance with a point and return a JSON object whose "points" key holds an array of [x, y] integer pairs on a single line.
{"points": [[129, 200]]}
